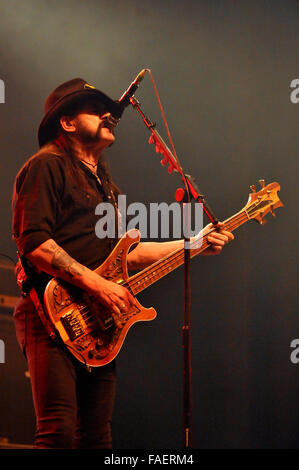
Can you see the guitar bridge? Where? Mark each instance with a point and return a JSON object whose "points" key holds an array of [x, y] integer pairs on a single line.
{"points": [[72, 325]]}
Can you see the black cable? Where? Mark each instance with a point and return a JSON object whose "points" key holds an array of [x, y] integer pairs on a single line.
{"points": [[8, 257]]}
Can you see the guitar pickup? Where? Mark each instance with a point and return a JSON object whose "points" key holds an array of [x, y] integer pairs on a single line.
{"points": [[106, 322]]}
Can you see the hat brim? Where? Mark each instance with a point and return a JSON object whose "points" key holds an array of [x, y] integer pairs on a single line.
{"points": [[49, 125]]}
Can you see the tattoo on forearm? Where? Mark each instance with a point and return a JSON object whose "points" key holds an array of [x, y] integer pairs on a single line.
{"points": [[62, 262]]}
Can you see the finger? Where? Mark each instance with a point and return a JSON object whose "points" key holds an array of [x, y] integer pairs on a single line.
{"points": [[115, 309], [216, 249], [228, 234], [213, 250], [126, 302], [221, 229], [207, 228], [214, 228], [223, 235], [126, 296], [219, 236], [123, 307], [117, 304], [130, 299], [220, 226], [217, 241]]}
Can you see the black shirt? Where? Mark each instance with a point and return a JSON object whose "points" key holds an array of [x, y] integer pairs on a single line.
{"points": [[51, 204]]}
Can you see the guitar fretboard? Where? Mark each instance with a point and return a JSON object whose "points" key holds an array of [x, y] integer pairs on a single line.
{"points": [[157, 270]]}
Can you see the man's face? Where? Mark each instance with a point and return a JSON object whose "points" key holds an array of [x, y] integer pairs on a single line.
{"points": [[92, 127]]}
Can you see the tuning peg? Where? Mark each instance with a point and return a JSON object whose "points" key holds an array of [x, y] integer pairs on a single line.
{"points": [[272, 210], [252, 187], [263, 220], [262, 183]]}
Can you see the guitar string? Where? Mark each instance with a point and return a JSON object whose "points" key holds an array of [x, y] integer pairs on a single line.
{"points": [[174, 261], [227, 224], [173, 258], [171, 261]]}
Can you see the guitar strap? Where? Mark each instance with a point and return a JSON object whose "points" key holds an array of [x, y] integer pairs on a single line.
{"points": [[25, 281]]}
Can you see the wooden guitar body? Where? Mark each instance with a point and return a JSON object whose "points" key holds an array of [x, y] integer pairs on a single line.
{"points": [[95, 336]]}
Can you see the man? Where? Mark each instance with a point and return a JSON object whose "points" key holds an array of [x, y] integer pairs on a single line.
{"points": [[55, 196]]}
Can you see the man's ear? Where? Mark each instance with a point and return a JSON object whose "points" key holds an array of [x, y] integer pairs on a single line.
{"points": [[67, 124]]}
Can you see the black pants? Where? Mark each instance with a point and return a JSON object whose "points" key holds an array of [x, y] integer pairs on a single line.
{"points": [[73, 406]]}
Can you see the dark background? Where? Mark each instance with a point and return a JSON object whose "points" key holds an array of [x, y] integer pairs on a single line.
{"points": [[223, 71]]}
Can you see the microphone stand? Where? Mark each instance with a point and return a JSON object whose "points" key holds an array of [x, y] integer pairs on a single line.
{"points": [[183, 195]]}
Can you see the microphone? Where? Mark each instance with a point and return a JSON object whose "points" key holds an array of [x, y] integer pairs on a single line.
{"points": [[124, 100]]}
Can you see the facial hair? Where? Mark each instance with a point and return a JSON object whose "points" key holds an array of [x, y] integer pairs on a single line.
{"points": [[88, 137]]}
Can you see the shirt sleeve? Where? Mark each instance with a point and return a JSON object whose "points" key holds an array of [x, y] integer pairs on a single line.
{"points": [[38, 191]]}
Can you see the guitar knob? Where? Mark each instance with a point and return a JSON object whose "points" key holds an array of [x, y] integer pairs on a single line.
{"points": [[91, 353], [262, 183], [99, 344], [263, 221]]}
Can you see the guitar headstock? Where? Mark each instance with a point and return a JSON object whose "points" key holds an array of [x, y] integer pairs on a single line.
{"points": [[262, 202]]}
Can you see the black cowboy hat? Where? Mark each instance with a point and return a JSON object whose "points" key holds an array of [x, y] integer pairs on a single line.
{"points": [[67, 96]]}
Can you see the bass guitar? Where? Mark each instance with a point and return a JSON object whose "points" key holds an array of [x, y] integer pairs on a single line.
{"points": [[95, 336]]}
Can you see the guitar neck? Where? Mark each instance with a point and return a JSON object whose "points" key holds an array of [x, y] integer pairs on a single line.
{"points": [[148, 276]]}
